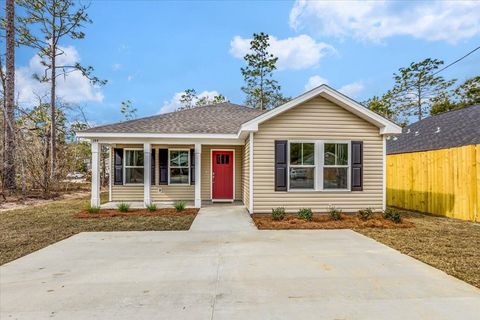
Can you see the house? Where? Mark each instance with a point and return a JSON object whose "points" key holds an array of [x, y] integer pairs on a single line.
{"points": [[433, 166], [317, 150]]}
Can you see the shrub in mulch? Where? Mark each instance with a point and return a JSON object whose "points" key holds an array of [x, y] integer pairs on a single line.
{"points": [[324, 221], [109, 213]]}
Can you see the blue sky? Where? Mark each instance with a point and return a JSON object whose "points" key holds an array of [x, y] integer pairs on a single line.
{"points": [[151, 51]]}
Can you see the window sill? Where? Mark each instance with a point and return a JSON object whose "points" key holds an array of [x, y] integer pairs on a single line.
{"points": [[313, 190]]}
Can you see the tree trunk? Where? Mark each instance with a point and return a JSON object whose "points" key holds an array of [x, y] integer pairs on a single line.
{"points": [[53, 128], [46, 173], [9, 158]]}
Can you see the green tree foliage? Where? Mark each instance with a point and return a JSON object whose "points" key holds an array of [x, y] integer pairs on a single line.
{"points": [[128, 111], [190, 99], [382, 105], [416, 86], [466, 94], [45, 24], [263, 92]]}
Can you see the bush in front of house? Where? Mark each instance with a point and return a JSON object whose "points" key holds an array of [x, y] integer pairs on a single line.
{"points": [[151, 207], [278, 213], [365, 214], [334, 213], [123, 207], [392, 214], [179, 205], [93, 209], [305, 214]]}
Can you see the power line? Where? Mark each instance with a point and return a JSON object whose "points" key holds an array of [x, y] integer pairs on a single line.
{"points": [[458, 60]]}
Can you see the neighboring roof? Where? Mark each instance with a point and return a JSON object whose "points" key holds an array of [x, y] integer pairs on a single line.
{"points": [[447, 130], [221, 118], [385, 126]]}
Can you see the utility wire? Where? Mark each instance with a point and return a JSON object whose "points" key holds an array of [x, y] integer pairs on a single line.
{"points": [[458, 60]]}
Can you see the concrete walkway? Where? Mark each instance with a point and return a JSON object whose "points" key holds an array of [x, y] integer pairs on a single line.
{"points": [[223, 217], [247, 274]]}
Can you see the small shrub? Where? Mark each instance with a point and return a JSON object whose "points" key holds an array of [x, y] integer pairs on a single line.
{"points": [[179, 205], [123, 207], [392, 214], [334, 213], [305, 214], [93, 209], [365, 214], [151, 207], [278, 214]]}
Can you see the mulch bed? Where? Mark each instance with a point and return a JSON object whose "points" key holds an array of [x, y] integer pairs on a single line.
{"points": [[161, 212], [323, 221]]}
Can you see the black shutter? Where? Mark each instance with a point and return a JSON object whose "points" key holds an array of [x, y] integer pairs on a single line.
{"points": [[163, 165], [357, 165], [280, 165], [152, 174], [118, 166], [192, 166]]}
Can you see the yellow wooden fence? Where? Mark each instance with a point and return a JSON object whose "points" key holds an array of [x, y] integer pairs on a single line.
{"points": [[443, 182]]}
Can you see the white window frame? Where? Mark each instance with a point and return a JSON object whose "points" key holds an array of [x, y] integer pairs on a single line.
{"points": [[189, 167], [125, 166], [314, 165], [323, 165], [319, 147]]}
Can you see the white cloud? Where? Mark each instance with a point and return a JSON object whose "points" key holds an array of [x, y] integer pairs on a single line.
{"points": [[449, 21], [116, 66], [315, 81], [73, 88], [351, 89], [174, 103], [294, 53], [129, 77]]}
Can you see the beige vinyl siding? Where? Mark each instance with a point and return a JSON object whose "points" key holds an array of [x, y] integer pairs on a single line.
{"points": [[207, 166], [246, 173], [322, 120]]}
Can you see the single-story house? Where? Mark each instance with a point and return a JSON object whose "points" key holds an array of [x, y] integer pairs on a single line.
{"points": [[318, 150], [433, 166]]}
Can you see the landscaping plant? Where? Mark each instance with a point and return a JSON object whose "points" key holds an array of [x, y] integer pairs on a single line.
{"points": [[278, 213], [93, 209], [179, 205], [151, 207], [123, 207], [335, 214], [365, 214], [305, 214], [392, 214]]}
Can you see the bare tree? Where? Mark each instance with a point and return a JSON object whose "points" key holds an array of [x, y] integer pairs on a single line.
{"points": [[9, 173]]}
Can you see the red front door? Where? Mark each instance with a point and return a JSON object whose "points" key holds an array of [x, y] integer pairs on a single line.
{"points": [[222, 174]]}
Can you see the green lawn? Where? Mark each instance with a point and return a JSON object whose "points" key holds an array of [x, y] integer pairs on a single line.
{"points": [[23, 231]]}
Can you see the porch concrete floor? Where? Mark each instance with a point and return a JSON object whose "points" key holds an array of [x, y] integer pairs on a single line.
{"points": [[234, 274]]}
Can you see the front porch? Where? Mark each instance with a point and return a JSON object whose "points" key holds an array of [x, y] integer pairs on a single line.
{"points": [[161, 172]]}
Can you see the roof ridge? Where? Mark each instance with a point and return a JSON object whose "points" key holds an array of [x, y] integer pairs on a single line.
{"points": [[436, 116]]}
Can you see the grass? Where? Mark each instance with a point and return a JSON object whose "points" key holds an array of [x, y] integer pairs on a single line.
{"points": [[23, 231], [450, 245]]}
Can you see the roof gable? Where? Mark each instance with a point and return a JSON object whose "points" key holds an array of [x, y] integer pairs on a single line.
{"points": [[385, 126]]}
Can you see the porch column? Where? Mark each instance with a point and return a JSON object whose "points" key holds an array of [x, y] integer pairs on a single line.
{"points": [[95, 200], [147, 169], [198, 175]]}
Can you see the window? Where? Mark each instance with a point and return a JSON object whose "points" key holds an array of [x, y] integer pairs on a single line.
{"points": [[302, 165], [179, 166], [335, 166], [133, 166]]}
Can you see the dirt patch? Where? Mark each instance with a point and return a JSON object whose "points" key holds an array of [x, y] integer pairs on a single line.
{"points": [[323, 221], [17, 203], [109, 213]]}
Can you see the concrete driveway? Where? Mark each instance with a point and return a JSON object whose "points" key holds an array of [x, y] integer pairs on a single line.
{"points": [[243, 274]]}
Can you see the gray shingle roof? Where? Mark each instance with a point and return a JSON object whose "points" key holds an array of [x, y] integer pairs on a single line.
{"points": [[222, 118], [447, 130]]}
